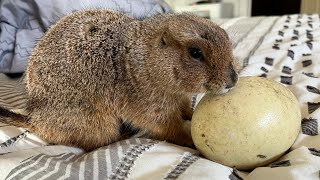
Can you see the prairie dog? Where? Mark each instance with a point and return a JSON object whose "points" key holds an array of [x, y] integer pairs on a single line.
{"points": [[98, 71]]}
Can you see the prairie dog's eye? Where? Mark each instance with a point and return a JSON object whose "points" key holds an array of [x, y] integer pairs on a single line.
{"points": [[196, 53], [93, 29]]}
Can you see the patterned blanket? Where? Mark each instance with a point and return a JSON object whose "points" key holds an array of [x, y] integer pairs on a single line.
{"points": [[283, 48]]}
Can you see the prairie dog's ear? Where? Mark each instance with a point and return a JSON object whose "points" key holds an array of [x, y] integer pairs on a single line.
{"points": [[164, 39]]}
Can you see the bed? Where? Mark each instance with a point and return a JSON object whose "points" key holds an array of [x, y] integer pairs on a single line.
{"points": [[283, 48]]}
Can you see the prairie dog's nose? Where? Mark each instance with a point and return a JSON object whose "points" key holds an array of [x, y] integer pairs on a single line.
{"points": [[232, 78]]}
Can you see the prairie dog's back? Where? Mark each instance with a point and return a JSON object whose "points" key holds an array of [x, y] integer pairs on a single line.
{"points": [[79, 55]]}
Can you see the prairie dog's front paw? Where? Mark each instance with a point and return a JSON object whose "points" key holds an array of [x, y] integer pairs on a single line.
{"points": [[185, 139], [187, 127]]}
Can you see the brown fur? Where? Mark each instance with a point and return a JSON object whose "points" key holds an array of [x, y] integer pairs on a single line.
{"points": [[97, 69]]}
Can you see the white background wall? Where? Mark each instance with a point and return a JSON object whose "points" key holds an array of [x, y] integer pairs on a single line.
{"points": [[240, 7]]}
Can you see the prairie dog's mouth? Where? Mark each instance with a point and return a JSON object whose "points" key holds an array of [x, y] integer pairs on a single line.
{"points": [[218, 91], [225, 90]]}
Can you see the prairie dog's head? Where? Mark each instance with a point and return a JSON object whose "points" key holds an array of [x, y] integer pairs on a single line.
{"points": [[193, 54]]}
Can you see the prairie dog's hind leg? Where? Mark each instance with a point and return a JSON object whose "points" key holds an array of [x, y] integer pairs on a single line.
{"points": [[170, 128], [87, 132], [186, 107]]}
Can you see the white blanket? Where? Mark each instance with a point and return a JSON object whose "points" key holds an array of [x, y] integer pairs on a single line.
{"points": [[285, 49]]}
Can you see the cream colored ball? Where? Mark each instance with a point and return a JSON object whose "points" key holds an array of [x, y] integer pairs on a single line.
{"points": [[250, 126]]}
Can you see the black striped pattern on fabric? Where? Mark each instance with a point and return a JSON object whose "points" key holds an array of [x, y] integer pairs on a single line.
{"points": [[125, 165], [298, 21], [264, 69], [281, 33], [314, 151], [187, 160], [291, 54], [281, 164], [12, 140], [12, 92], [242, 29], [276, 47], [309, 126], [98, 164], [263, 75], [269, 61], [235, 175], [306, 63], [286, 80], [309, 44], [286, 70], [257, 45], [32, 167], [313, 89], [312, 106], [309, 35], [309, 75], [1, 154], [193, 102]]}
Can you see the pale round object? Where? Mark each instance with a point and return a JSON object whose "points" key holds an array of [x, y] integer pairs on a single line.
{"points": [[250, 126]]}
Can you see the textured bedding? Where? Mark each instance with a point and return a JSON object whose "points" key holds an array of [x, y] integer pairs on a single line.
{"points": [[283, 48]]}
